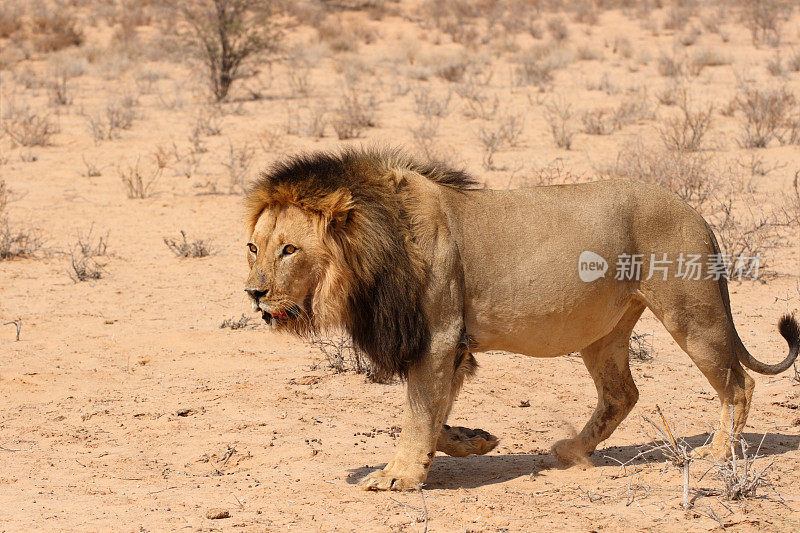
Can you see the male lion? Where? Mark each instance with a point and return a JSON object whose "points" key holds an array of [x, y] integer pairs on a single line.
{"points": [[422, 269]]}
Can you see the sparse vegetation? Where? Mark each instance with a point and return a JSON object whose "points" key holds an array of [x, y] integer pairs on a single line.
{"points": [[558, 115], [769, 114], [28, 128], [688, 174], [228, 36], [138, 182], [15, 242], [183, 247], [236, 323], [356, 112], [84, 265], [687, 130], [341, 356]]}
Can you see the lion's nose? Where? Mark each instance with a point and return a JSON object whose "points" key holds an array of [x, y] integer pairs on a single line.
{"points": [[256, 294]]}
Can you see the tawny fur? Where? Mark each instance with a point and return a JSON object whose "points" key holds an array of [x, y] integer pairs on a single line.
{"points": [[422, 269]]}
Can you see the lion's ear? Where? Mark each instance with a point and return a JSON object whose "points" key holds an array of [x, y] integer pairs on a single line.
{"points": [[337, 209]]}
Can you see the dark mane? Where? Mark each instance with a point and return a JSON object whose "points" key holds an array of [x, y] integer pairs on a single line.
{"points": [[384, 275], [351, 167]]}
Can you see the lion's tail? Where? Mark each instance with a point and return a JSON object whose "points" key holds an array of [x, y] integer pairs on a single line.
{"points": [[788, 327]]}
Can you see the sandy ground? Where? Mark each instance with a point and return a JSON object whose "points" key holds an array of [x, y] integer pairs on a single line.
{"points": [[126, 407]]}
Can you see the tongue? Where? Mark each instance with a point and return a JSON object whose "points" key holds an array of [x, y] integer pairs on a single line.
{"points": [[282, 315]]}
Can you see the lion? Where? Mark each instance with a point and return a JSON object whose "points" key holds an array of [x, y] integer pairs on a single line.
{"points": [[423, 269]]}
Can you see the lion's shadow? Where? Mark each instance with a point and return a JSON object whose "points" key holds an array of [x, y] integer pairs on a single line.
{"points": [[476, 471]]}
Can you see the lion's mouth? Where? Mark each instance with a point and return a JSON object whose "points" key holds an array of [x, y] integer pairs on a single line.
{"points": [[281, 316]]}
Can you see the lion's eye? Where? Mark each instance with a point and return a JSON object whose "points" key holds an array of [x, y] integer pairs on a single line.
{"points": [[252, 247], [289, 249]]}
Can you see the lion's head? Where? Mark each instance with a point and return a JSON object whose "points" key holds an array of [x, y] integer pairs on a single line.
{"points": [[331, 245]]}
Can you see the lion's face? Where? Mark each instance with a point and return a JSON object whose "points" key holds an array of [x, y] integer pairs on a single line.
{"points": [[283, 255]]}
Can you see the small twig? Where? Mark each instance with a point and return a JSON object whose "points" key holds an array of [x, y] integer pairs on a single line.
{"points": [[424, 509], [18, 324]]}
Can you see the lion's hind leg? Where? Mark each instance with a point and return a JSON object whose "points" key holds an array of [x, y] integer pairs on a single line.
{"points": [[607, 362], [460, 442]]}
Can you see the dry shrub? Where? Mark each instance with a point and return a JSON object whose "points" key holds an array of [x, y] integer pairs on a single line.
{"points": [[339, 36], [671, 66], [747, 233], [794, 61], [234, 324], [689, 37], [238, 163], [598, 121], [342, 356], [428, 105], [537, 65], [356, 112], [558, 115], [686, 130], [554, 173], [687, 174], [557, 27], [18, 242], [640, 346], [11, 22], [424, 135], [138, 183], [677, 17], [633, 110], [184, 248], [769, 114], [54, 29], [775, 65], [27, 128], [792, 202], [764, 18], [15, 242], [59, 91], [230, 36], [84, 265], [504, 132], [117, 116], [707, 57]]}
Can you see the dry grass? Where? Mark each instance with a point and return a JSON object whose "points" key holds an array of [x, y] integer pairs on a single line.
{"points": [[234, 323], [537, 65], [238, 163], [54, 29], [428, 106], [686, 130], [28, 128], [84, 265], [118, 115], [183, 247], [341, 356], [791, 203], [764, 19], [687, 174], [19, 242], [767, 115], [15, 242], [558, 115], [747, 233], [356, 112], [138, 182]]}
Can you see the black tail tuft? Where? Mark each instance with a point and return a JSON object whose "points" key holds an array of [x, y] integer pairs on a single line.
{"points": [[790, 330]]}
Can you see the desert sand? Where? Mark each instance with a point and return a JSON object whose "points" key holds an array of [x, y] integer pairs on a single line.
{"points": [[126, 406]]}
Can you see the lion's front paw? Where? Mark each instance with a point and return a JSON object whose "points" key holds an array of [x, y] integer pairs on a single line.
{"points": [[571, 452], [715, 452], [390, 479]]}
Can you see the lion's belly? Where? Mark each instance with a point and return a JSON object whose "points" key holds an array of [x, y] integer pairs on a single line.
{"points": [[523, 289], [544, 325]]}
